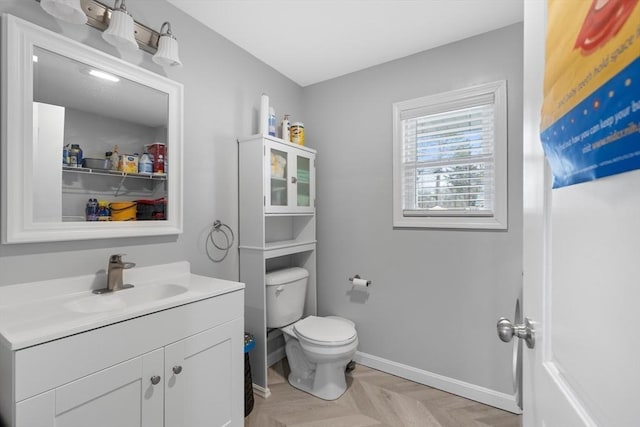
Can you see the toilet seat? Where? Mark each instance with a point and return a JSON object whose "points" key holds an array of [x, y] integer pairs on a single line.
{"points": [[325, 331]]}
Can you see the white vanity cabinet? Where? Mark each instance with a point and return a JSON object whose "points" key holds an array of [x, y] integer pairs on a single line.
{"points": [[177, 367], [277, 230]]}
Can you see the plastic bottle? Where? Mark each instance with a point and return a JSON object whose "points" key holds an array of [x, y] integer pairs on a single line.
{"points": [[145, 164], [75, 155], [115, 158], [286, 131], [65, 155], [272, 121], [91, 210], [264, 115], [103, 211]]}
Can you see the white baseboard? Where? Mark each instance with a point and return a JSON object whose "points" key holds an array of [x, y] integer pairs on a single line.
{"points": [[261, 391], [470, 391], [275, 356]]}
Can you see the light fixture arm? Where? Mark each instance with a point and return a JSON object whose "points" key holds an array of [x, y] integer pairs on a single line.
{"points": [[168, 25], [168, 32]]}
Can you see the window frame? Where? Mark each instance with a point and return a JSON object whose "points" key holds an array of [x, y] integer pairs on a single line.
{"points": [[439, 103]]}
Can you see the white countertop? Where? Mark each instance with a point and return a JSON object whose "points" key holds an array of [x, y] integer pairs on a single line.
{"points": [[37, 312]]}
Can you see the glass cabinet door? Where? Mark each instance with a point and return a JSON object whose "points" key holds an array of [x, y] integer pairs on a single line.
{"points": [[289, 186], [279, 177], [303, 182]]}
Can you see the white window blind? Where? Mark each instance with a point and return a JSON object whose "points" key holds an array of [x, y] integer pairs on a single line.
{"points": [[450, 159]]}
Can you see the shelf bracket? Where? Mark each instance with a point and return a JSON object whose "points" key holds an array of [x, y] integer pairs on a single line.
{"points": [[124, 176]]}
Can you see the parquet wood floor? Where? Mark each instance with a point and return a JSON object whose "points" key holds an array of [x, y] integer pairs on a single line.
{"points": [[373, 399]]}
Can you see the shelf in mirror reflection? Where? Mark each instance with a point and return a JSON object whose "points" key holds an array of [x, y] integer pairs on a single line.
{"points": [[161, 177]]}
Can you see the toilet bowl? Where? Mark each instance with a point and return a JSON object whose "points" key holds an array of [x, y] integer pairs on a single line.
{"points": [[318, 348]]}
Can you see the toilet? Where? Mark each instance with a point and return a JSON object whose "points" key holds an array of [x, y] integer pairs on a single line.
{"points": [[318, 348]]}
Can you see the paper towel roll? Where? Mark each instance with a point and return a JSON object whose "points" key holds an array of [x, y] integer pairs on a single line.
{"points": [[264, 115], [361, 283]]}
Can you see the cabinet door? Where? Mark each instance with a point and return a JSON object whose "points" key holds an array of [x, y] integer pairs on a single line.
{"points": [[278, 171], [121, 395], [290, 180], [303, 194], [204, 378]]}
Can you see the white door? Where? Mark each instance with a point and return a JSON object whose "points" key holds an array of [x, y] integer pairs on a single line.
{"points": [[204, 378], [581, 280]]}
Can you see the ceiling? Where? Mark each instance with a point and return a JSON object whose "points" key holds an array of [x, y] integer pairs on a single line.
{"points": [[59, 80], [310, 41]]}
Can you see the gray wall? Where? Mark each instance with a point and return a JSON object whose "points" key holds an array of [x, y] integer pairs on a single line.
{"points": [[436, 294], [222, 88]]}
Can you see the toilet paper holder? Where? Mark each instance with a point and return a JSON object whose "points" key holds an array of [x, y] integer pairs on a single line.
{"points": [[357, 280]]}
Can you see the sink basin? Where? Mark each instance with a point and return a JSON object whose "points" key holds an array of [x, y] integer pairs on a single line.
{"points": [[125, 298]]}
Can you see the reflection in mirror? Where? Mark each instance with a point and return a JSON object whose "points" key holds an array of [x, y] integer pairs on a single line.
{"points": [[79, 110], [60, 97]]}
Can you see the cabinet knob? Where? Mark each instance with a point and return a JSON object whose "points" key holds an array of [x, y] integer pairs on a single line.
{"points": [[155, 379], [177, 369], [294, 179]]}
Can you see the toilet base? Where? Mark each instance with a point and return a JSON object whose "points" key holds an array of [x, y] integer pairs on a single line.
{"points": [[328, 383]]}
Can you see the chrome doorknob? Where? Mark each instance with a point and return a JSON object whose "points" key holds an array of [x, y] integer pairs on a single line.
{"points": [[506, 331]]}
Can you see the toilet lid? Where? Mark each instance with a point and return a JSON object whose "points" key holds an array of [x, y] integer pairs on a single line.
{"points": [[324, 330]]}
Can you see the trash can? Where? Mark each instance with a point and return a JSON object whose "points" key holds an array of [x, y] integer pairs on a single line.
{"points": [[249, 343]]}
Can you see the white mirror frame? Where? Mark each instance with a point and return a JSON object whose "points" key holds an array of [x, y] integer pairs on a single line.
{"points": [[18, 40]]}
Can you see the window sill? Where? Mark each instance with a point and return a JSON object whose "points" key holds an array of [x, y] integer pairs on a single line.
{"points": [[457, 222]]}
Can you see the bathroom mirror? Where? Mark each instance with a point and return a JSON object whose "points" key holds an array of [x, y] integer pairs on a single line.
{"points": [[62, 100]]}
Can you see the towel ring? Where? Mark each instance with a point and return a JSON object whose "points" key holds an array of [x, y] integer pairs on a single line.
{"points": [[225, 230]]}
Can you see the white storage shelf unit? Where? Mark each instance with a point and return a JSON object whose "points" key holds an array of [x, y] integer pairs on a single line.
{"points": [[277, 230]]}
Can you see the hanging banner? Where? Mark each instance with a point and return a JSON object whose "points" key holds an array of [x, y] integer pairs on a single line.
{"points": [[590, 126]]}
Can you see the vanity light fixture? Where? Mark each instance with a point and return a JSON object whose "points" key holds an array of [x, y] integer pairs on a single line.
{"points": [[120, 32], [167, 53], [65, 10]]}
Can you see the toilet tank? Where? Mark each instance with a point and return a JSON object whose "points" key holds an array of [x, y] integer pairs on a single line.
{"points": [[285, 295]]}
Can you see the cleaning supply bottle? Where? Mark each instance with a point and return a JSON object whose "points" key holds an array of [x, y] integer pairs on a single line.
{"points": [[91, 210], [286, 133], [66, 160], [145, 164], [297, 133], [103, 211], [115, 158], [272, 121], [75, 154]]}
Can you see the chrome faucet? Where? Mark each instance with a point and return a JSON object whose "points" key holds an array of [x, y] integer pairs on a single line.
{"points": [[114, 274]]}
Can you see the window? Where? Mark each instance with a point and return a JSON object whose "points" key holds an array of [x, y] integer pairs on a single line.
{"points": [[450, 159]]}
